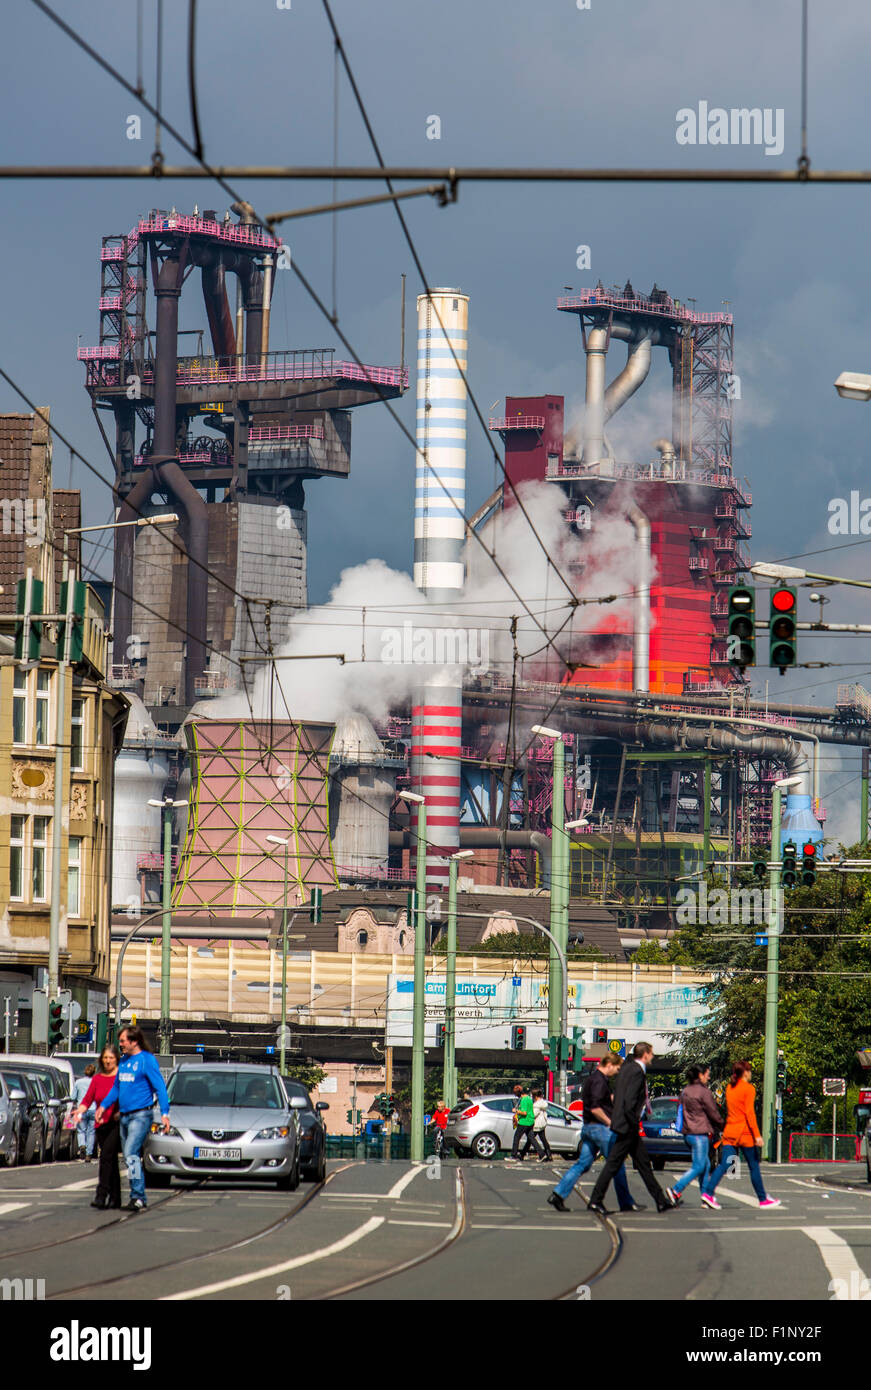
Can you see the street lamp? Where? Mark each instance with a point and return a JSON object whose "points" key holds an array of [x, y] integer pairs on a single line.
{"points": [[418, 1014], [277, 840], [853, 386], [772, 975], [166, 806], [559, 885], [450, 1059], [763, 570]]}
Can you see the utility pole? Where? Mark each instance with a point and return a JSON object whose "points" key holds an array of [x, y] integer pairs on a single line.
{"points": [[418, 1017], [772, 977], [863, 825], [450, 1065], [167, 806]]}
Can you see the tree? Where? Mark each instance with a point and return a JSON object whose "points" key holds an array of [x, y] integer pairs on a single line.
{"points": [[310, 1075]]}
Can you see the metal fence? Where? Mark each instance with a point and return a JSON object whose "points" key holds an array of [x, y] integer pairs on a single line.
{"points": [[824, 1148]]}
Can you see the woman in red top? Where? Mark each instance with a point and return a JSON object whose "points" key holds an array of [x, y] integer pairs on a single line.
{"points": [[108, 1131]]}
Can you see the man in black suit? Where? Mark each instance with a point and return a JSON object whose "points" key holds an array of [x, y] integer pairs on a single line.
{"points": [[630, 1101]]}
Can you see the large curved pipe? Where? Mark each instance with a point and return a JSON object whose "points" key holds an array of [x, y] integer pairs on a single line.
{"points": [[490, 837], [633, 375], [221, 326], [594, 416], [641, 606]]}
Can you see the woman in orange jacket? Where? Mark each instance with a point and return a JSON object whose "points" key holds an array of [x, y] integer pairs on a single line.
{"points": [[741, 1132]]}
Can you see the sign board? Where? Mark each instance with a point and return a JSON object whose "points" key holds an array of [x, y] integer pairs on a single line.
{"points": [[681, 1022], [834, 1086], [488, 1006], [865, 1097], [617, 1045], [516, 980], [329, 1085]]}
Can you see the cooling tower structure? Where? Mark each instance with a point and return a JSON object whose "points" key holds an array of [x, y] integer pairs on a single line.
{"points": [[141, 774], [362, 791], [250, 779], [439, 540]]}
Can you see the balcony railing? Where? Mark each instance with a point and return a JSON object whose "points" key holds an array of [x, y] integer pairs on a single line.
{"points": [[517, 422]]}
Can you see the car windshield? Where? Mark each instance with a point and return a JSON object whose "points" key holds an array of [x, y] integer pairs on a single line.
{"points": [[79, 1060], [237, 1089], [296, 1088], [664, 1111]]}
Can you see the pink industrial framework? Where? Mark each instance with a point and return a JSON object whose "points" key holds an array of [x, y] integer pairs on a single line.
{"points": [[250, 779]]}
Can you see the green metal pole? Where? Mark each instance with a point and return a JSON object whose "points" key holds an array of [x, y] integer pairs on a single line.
{"points": [[166, 934], [772, 982], [558, 885], [863, 825], [284, 969], [417, 1025], [450, 1075], [707, 812]]}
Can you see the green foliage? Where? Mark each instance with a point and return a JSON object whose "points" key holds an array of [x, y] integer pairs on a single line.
{"points": [[824, 999], [310, 1076], [521, 946]]}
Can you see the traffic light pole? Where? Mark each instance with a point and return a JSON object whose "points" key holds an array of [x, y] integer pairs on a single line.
{"points": [[772, 979], [450, 1067], [418, 1014], [166, 937]]}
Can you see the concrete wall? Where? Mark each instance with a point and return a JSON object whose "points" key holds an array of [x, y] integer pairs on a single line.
{"points": [[271, 563]]}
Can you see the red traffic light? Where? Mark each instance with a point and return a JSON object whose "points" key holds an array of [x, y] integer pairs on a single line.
{"points": [[783, 600], [809, 848]]}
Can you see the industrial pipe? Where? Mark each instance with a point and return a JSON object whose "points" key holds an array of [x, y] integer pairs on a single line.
{"points": [[633, 375], [594, 416], [130, 508], [641, 605], [267, 299], [491, 837]]}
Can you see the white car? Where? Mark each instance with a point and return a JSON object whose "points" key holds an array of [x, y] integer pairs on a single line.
{"points": [[483, 1126]]}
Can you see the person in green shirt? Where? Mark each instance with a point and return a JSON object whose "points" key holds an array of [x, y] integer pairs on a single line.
{"points": [[525, 1123]]}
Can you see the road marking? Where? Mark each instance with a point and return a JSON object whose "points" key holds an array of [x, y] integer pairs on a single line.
{"points": [[12, 1206], [538, 1182], [399, 1187], [174, 1230], [741, 1197], [76, 1186], [269, 1270], [836, 1253], [396, 1222]]}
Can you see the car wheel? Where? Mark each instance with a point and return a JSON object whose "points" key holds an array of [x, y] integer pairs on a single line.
{"points": [[485, 1146], [13, 1152], [291, 1182], [157, 1179], [658, 1164], [36, 1153]]}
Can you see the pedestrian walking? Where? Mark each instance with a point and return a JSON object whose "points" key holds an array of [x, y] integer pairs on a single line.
{"points": [[525, 1124], [630, 1102], [740, 1133], [440, 1120], [108, 1132], [597, 1136], [518, 1132], [137, 1084], [702, 1123], [85, 1127], [539, 1126]]}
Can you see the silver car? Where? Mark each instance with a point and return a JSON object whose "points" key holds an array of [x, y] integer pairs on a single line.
{"points": [[228, 1120], [11, 1122], [482, 1126]]}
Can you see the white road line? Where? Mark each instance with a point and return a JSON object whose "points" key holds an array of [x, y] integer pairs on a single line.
{"points": [[269, 1270], [77, 1186], [399, 1187], [12, 1206], [396, 1222], [838, 1259], [740, 1197]]}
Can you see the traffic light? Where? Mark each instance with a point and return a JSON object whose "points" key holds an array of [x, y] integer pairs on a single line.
{"points": [[383, 1106], [600, 1035], [741, 612], [760, 868], [55, 1023], [782, 629], [789, 874], [518, 1037], [28, 632], [580, 1037], [781, 1071], [441, 1034], [316, 898], [391, 1103], [411, 907], [809, 863]]}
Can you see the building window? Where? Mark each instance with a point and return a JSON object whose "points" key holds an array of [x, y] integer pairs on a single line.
{"points": [[77, 735], [43, 695], [16, 857], [40, 840], [19, 708], [362, 938], [74, 876], [401, 939]]}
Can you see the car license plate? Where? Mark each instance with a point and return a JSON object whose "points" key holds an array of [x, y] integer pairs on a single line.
{"points": [[230, 1154], [670, 1134]]}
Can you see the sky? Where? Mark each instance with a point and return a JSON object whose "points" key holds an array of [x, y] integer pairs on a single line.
{"points": [[513, 83]]}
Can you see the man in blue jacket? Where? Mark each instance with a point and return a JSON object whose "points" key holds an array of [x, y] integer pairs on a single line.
{"points": [[137, 1086]]}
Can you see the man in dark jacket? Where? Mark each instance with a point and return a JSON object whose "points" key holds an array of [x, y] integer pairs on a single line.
{"points": [[630, 1102]]}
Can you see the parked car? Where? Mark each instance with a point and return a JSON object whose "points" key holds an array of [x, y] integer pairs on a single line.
{"points": [[60, 1101], [12, 1122], [57, 1060], [228, 1120], [25, 1093], [312, 1131], [484, 1127], [663, 1142], [76, 1061]]}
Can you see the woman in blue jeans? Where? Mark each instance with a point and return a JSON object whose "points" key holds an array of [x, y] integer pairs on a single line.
{"points": [[702, 1122]]}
